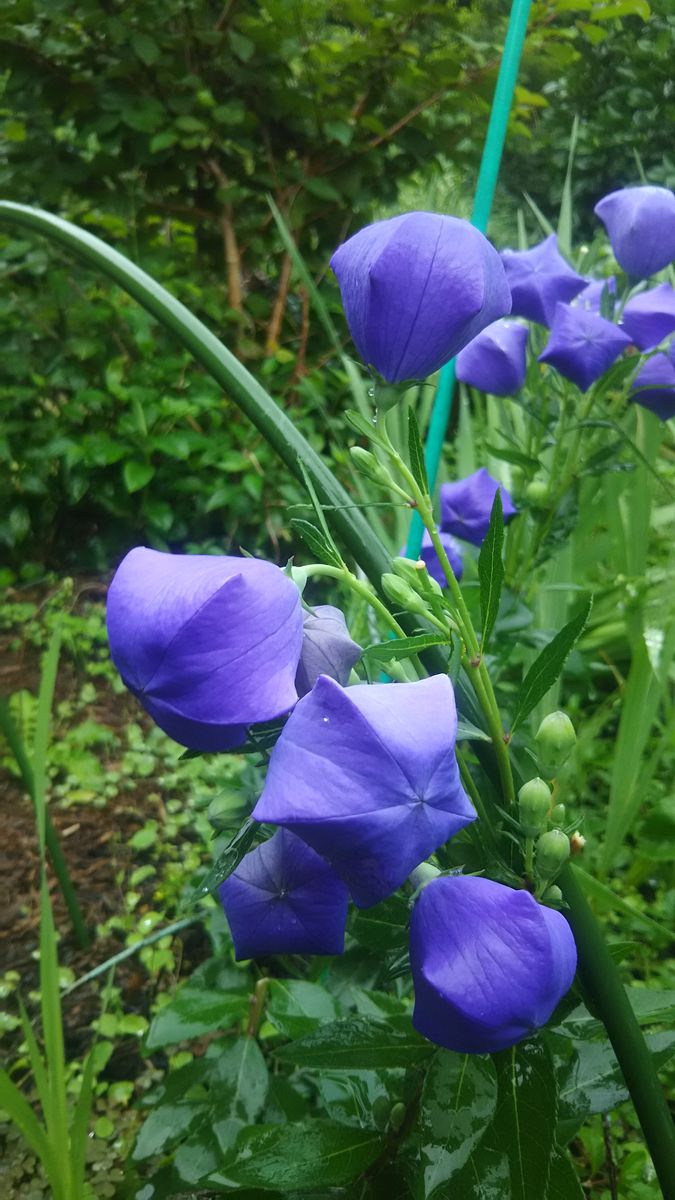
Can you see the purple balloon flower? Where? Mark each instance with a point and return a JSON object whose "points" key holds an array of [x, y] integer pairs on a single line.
{"points": [[582, 345], [591, 295], [430, 557], [489, 964], [467, 504], [654, 385], [538, 279], [650, 317], [368, 777], [415, 289], [209, 644], [284, 899], [640, 222], [327, 648], [495, 361]]}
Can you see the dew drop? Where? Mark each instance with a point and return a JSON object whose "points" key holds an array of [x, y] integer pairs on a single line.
{"points": [[325, 720]]}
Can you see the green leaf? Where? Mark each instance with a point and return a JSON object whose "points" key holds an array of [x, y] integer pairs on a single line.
{"points": [[22, 1115], [228, 860], [650, 1005], [146, 49], [136, 474], [403, 647], [240, 1082], [563, 1183], [358, 1042], [363, 425], [514, 1157], [317, 542], [196, 1011], [507, 454], [593, 1083], [416, 453], [296, 1006], [165, 1125], [466, 732], [457, 1105], [547, 666], [310, 1154], [491, 570], [79, 1129], [384, 927]]}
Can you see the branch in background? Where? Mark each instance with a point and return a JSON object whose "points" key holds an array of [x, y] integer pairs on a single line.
{"points": [[276, 319], [299, 370], [230, 247]]}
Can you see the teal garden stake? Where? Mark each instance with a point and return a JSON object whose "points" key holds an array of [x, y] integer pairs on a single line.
{"points": [[482, 205]]}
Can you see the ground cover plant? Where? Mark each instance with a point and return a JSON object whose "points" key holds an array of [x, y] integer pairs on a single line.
{"points": [[428, 768]]}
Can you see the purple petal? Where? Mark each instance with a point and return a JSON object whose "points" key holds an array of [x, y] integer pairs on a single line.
{"points": [[284, 899], [640, 223], [430, 557], [650, 317], [591, 296], [206, 643], [489, 964], [368, 777], [495, 361], [582, 345], [327, 648], [654, 385], [538, 279], [415, 289], [467, 504]]}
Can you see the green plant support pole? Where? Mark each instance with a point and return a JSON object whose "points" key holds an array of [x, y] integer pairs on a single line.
{"points": [[606, 993], [482, 206]]}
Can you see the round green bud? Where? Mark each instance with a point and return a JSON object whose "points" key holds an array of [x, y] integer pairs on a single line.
{"points": [[534, 801], [536, 493], [381, 1111], [558, 814], [551, 853], [401, 594], [555, 740], [397, 1116], [552, 895]]}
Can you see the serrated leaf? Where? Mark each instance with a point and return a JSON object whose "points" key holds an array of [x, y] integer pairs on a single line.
{"points": [[491, 570], [316, 541], [593, 1082], [310, 1154], [547, 666], [416, 453], [358, 1042], [296, 1006], [228, 861], [457, 1105], [194, 1012], [563, 1183], [403, 647], [384, 927]]}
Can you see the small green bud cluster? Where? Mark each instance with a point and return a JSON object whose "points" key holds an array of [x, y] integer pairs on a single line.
{"points": [[534, 802], [372, 468], [415, 573], [555, 740], [536, 493], [402, 595], [551, 853]]}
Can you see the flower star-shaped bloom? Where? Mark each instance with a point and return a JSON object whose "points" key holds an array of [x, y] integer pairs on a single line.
{"points": [[415, 289], [367, 776], [640, 223], [284, 899], [538, 279], [209, 644], [582, 345], [467, 504], [495, 361], [654, 385], [649, 317], [489, 964], [327, 648]]}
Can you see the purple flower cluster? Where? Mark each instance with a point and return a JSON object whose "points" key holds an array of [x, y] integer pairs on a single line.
{"points": [[363, 785]]}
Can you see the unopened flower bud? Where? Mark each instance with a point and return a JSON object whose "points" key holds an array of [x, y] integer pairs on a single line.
{"points": [[558, 814], [555, 740], [401, 594], [381, 1111], [552, 895], [536, 492], [397, 1116], [552, 852], [414, 572], [368, 465], [534, 801]]}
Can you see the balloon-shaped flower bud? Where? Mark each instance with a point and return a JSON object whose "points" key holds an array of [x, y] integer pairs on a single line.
{"points": [[534, 802], [597, 294], [640, 223], [371, 467], [537, 493], [404, 597], [489, 964], [209, 644], [367, 776], [284, 899], [558, 814], [556, 739], [582, 345], [649, 317], [654, 385], [327, 648], [551, 853], [467, 504], [416, 289], [538, 279], [496, 360]]}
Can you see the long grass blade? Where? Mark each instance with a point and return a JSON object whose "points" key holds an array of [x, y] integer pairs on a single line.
{"points": [[37, 1063], [80, 1128], [21, 1113], [42, 731]]}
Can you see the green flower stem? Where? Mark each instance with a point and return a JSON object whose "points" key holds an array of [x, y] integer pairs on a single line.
{"points": [[475, 797], [607, 995], [529, 857]]}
